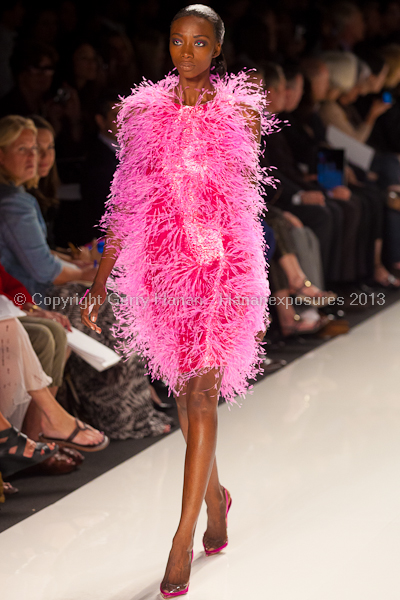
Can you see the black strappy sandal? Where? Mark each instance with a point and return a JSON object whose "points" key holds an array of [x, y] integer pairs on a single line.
{"points": [[71, 444], [12, 463]]}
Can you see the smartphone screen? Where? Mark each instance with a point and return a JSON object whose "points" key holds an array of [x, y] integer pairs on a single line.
{"points": [[330, 169], [387, 97]]}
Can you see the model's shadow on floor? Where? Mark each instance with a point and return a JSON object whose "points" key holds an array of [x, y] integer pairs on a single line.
{"points": [[152, 591]]}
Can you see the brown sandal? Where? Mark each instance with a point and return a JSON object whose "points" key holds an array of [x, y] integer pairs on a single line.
{"points": [[321, 300], [70, 444]]}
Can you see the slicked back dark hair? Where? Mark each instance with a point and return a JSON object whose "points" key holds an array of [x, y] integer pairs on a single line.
{"points": [[206, 12]]}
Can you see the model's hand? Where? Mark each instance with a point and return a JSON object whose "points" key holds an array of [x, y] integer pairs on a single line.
{"points": [[260, 335], [96, 297]]}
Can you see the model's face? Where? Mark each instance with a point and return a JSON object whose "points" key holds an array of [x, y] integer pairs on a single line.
{"points": [[193, 46], [47, 153], [19, 159]]}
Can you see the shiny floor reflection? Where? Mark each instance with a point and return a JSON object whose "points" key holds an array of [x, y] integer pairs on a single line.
{"points": [[312, 460]]}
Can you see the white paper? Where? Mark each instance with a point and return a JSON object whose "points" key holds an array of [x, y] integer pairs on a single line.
{"points": [[8, 310], [357, 153], [69, 265], [93, 352]]}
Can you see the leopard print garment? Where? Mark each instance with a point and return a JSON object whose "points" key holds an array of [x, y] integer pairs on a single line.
{"points": [[117, 400]]}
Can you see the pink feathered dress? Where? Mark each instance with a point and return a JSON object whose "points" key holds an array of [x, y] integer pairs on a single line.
{"points": [[191, 279]]}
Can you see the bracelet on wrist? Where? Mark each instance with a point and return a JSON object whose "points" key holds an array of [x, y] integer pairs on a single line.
{"points": [[33, 308]]}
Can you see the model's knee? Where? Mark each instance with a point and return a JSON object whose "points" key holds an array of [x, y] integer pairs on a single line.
{"points": [[202, 403]]}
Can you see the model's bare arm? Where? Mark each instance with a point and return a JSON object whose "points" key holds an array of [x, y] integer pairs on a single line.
{"points": [[98, 292]]}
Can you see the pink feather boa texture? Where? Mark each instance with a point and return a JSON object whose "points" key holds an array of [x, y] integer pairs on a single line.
{"points": [[185, 203]]}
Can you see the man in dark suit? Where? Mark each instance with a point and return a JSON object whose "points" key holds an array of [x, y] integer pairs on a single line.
{"points": [[99, 168]]}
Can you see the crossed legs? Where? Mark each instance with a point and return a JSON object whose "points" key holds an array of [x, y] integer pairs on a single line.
{"points": [[197, 408]]}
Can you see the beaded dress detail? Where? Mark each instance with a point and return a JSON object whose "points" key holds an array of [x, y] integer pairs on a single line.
{"points": [[185, 202]]}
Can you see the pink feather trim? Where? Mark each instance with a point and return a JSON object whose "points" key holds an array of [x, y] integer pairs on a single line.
{"points": [[191, 278]]}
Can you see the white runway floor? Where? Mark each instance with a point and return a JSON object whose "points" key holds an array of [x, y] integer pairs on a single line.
{"points": [[312, 460]]}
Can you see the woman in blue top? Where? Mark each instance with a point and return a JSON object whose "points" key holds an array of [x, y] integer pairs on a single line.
{"points": [[24, 251]]}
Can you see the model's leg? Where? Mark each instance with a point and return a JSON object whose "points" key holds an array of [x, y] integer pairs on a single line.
{"points": [[201, 406], [216, 533]]}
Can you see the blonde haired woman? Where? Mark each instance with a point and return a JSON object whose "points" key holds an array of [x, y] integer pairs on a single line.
{"points": [[343, 75], [24, 251]]}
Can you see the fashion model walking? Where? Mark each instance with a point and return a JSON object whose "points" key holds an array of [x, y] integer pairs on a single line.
{"points": [[185, 248]]}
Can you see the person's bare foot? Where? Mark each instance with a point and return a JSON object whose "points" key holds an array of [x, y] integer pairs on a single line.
{"points": [[62, 424], [216, 534], [177, 571]]}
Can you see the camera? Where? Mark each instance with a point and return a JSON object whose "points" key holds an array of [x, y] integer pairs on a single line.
{"points": [[62, 96]]}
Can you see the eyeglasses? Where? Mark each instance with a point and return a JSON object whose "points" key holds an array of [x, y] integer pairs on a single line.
{"points": [[39, 70]]}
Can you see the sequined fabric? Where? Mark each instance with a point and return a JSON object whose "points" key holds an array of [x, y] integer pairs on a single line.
{"points": [[186, 181]]}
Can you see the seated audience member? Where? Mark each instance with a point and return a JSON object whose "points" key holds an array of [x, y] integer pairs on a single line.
{"points": [[23, 382], [343, 76], [335, 111], [292, 253], [302, 197], [343, 26], [46, 329], [11, 18], [120, 58], [24, 251], [82, 79], [120, 399], [385, 135], [18, 452], [287, 277], [45, 190], [305, 136], [99, 167], [33, 65]]}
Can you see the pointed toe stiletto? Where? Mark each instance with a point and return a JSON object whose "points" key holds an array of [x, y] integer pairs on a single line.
{"points": [[178, 590], [218, 550]]}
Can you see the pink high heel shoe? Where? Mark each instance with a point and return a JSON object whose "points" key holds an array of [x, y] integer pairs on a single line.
{"points": [[217, 550], [178, 591]]}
